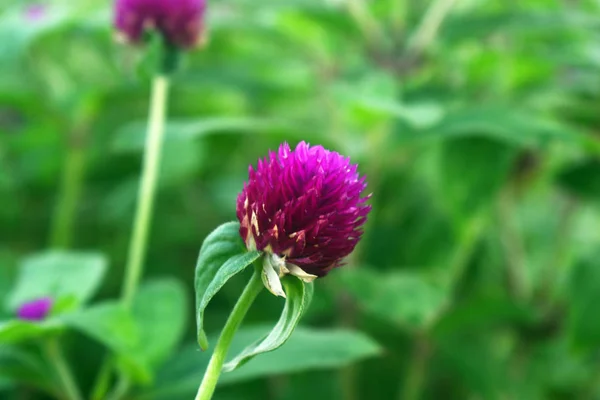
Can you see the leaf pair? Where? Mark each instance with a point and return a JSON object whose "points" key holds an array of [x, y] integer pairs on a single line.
{"points": [[222, 256]]}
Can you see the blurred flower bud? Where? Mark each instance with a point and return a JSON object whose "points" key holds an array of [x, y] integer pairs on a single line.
{"points": [[304, 209], [179, 21], [35, 310]]}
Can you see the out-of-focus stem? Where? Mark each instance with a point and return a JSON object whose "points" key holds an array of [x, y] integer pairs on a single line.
{"points": [[513, 245], [70, 190], [430, 24], [417, 370], [365, 20], [55, 356], [145, 202]]}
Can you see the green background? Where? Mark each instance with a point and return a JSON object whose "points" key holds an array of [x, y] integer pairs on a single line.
{"points": [[476, 123]]}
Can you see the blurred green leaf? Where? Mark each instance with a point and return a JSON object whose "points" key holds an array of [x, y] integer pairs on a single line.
{"points": [[583, 324], [109, 323], [403, 298], [222, 255], [582, 179], [22, 25], [24, 367], [13, 331], [58, 274], [131, 137], [306, 349], [298, 298], [472, 170], [159, 311], [508, 125]]}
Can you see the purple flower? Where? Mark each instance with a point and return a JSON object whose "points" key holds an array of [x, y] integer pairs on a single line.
{"points": [[35, 310], [304, 209], [36, 12], [179, 21]]}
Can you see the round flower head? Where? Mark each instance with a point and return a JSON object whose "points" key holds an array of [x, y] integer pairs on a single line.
{"points": [[304, 209], [179, 21], [35, 310]]}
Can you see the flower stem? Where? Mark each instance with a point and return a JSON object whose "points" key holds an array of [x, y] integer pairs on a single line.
{"points": [[417, 370], [211, 376], [430, 24], [70, 191], [154, 139], [67, 381]]}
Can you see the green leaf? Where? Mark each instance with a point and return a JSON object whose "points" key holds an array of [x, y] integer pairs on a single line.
{"points": [[22, 366], [472, 170], [60, 275], [299, 294], [109, 323], [132, 136], [583, 323], [582, 179], [14, 331], [159, 311], [307, 349], [510, 125], [222, 246], [404, 298]]}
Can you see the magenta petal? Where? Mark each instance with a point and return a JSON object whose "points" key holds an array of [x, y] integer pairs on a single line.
{"points": [[35, 310], [306, 205], [179, 21]]}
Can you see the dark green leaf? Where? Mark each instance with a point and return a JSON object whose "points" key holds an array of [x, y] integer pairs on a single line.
{"points": [[404, 298], [582, 179], [222, 255], [159, 311]]}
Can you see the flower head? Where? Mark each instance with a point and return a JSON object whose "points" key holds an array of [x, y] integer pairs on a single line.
{"points": [[179, 21], [304, 209], [35, 310]]}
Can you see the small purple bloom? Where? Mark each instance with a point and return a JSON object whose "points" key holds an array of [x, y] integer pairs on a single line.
{"points": [[304, 209], [35, 310], [36, 12], [179, 21]]}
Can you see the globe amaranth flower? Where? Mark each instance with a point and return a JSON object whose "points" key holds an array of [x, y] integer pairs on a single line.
{"points": [[35, 310], [179, 21], [304, 208]]}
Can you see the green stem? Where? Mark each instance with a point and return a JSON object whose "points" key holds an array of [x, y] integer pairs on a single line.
{"points": [[70, 191], [102, 383], [154, 139], [120, 389], [67, 381], [211, 376], [427, 30], [366, 22], [417, 370]]}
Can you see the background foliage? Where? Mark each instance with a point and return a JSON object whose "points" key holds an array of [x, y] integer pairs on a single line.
{"points": [[476, 123]]}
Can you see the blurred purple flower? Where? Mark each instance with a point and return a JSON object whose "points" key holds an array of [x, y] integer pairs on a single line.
{"points": [[35, 310], [179, 21], [304, 209], [36, 12]]}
